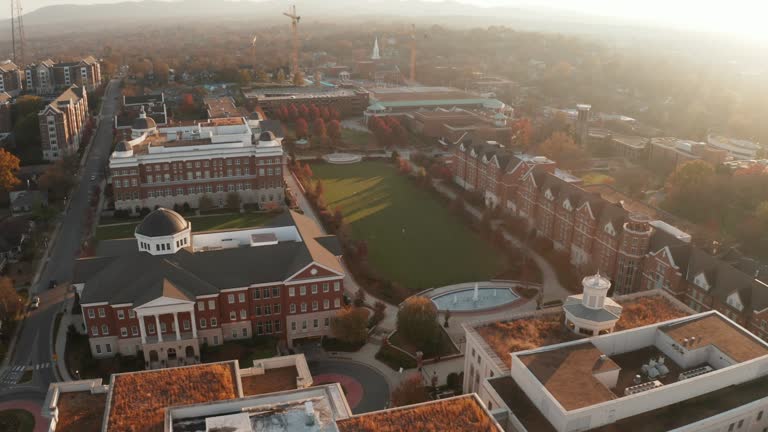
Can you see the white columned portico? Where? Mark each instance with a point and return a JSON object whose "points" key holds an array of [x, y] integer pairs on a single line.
{"points": [[142, 330], [194, 322], [176, 325], [159, 330]]}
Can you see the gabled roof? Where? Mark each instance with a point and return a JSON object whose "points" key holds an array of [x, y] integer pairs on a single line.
{"points": [[680, 250]]}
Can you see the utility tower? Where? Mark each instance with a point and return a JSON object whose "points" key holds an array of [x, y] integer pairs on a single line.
{"points": [[17, 33], [295, 42], [253, 51]]}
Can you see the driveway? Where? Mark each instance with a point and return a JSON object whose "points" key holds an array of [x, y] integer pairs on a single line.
{"points": [[365, 388]]}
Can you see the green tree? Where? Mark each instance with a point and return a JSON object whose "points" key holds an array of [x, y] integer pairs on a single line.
{"points": [[233, 201], [351, 325], [27, 130], [417, 321], [206, 203]]}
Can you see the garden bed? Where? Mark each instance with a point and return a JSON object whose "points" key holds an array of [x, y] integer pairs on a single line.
{"points": [[16, 420], [78, 358], [395, 358]]}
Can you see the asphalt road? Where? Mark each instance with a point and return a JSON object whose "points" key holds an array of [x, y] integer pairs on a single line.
{"points": [[35, 344]]}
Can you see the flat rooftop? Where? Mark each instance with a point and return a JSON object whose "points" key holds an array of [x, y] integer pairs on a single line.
{"points": [[139, 399], [520, 404], [298, 92], [388, 94], [80, 411], [712, 330], [530, 332], [457, 414], [221, 107], [568, 373], [273, 380]]}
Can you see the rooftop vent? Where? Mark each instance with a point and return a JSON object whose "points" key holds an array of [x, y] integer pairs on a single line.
{"points": [[693, 373], [642, 387], [309, 411]]}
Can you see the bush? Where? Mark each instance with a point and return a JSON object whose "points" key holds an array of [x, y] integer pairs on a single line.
{"points": [[122, 214], [206, 203], [144, 211], [417, 321]]}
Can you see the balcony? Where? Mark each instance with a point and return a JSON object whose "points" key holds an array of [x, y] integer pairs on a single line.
{"points": [[169, 337]]}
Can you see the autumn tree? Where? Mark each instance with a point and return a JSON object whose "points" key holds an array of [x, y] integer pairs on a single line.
{"points": [[9, 166], [298, 78], [280, 76], [521, 132], [302, 129], [9, 297], [560, 147], [351, 325], [57, 180], [692, 191], [417, 320], [334, 131], [319, 131], [410, 391]]}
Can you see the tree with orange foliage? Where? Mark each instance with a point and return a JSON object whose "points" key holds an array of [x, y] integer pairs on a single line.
{"points": [[9, 297], [521, 132], [302, 128], [560, 147], [417, 321], [410, 391], [9, 166], [351, 325], [334, 131]]}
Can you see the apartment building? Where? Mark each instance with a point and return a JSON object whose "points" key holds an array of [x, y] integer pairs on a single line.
{"points": [[62, 122], [167, 292], [47, 76], [10, 78]]}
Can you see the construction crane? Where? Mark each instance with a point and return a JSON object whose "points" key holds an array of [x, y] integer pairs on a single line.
{"points": [[413, 53], [295, 42], [17, 32]]}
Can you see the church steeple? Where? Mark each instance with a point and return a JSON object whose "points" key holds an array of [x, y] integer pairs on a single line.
{"points": [[375, 54]]}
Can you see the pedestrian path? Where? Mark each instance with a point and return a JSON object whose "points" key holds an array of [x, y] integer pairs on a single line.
{"points": [[13, 373]]}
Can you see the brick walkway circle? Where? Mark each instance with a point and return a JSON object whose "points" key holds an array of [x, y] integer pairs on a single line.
{"points": [[353, 390], [41, 423]]}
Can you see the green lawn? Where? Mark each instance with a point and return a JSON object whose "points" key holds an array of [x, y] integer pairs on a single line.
{"points": [[356, 138], [199, 223], [412, 237], [16, 420]]}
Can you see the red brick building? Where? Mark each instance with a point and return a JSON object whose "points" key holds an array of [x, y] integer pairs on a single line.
{"points": [[166, 292], [62, 122]]}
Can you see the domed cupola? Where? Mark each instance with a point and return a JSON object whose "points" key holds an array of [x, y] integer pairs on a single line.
{"points": [[142, 125], [268, 139], [163, 232], [593, 312]]}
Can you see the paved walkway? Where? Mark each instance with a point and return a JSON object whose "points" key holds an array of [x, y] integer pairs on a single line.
{"points": [[41, 423]]}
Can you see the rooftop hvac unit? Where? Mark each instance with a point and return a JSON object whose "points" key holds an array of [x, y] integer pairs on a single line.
{"points": [[693, 373], [642, 387]]}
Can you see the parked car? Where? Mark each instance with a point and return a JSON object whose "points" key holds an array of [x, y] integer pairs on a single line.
{"points": [[35, 302]]}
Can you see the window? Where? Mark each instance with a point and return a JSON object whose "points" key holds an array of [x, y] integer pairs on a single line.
{"points": [[303, 290], [269, 327], [245, 331], [293, 326], [123, 332], [102, 314], [201, 306], [741, 422], [234, 333], [291, 291], [315, 323], [211, 304], [314, 305], [327, 322], [314, 288], [256, 294], [151, 328], [231, 298], [94, 330], [336, 303], [104, 329], [134, 331], [731, 426], [185, 324], [232, 316], [91, 313], [304, 325], [267, 310], [266, 293], [303, 307], [336, 286], [163, 328], [275, 291], [276, 309], [292, 308], [759, 415], [98, 351], [258, 310], [243, 314], [326, 287], [241, 297], [326, 304], [120, 314], [277, 326], [202, 323]]}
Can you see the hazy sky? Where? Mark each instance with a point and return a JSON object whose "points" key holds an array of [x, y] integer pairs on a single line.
{"points": [[745, 17]]}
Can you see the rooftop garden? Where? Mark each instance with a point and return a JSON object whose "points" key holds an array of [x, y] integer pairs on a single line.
{"points": [[139, 399], [273, 380], [461, 414], [526, 333], [80, 411]]}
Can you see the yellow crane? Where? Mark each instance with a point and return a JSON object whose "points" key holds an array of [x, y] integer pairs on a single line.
{"points": [[295, 42]]}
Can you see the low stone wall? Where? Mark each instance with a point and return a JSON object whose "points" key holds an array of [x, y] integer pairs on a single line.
{"points": [[342, 158]]}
